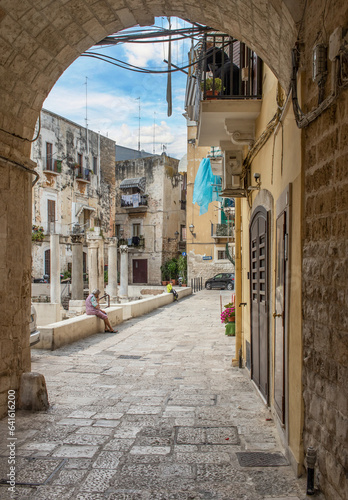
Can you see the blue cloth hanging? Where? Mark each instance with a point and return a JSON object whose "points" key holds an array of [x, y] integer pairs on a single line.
{"points": [[206, 187]]}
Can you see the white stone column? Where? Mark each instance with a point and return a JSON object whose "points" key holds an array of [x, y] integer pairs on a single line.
{"points": [[77, 267], [92, 264], [101, 265], [55, 269], [112, 268], [124, 272]]}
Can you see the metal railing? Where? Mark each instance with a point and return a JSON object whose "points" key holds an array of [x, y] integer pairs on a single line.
{"points": [[83, 173], [128, 204], [197, 284], [52, 164], [229, 69], [222, 230]]}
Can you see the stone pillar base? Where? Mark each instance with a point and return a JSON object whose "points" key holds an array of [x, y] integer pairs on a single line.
{"points": [[33, 392]]}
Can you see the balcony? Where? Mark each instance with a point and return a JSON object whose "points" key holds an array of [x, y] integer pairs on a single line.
{"points": [[222, 231], [52, 165], [135, 242], [134, 203], [82, 174], [224, 94]]}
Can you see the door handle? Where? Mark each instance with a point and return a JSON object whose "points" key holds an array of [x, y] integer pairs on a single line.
{"points": [[275, 315]]}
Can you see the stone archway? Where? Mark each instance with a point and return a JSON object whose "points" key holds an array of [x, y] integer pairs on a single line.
{"points": [[38, 41]]}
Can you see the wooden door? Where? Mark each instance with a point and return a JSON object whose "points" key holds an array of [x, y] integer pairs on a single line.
{"points": [[139, 270], [259, 300], [279, 316], [47, 262]]}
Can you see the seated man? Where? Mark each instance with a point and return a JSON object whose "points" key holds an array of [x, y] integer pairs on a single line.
{"points": [[93, 308], [170, 289]]}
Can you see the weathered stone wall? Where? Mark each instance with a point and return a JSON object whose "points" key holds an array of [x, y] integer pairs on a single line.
{"points": [[15, 281], [69, 139], [199, 268], [163, 215], [325, 268]]}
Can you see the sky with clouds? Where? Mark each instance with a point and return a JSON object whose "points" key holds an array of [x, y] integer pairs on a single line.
{"points": [[112, 95]]}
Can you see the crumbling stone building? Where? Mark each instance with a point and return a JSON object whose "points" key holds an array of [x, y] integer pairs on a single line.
{"points": [[150, 213], [76, 186], [40, 39]]}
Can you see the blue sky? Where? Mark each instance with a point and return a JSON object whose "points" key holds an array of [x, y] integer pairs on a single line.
{"points": [[112, 92]]}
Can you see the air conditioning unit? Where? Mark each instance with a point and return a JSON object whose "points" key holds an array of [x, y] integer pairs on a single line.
{"points": [[232, 182]]}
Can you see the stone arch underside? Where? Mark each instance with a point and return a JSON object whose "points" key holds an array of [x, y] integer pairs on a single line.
{"points": [[39, 39]]}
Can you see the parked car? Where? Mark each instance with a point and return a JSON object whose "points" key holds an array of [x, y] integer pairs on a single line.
{"points": [[34, 332], [222, 281]]}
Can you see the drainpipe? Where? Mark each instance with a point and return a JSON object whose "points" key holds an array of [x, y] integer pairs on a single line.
{"points": [[238, 283], [311, 459]]}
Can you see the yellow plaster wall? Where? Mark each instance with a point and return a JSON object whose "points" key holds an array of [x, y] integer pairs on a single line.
{"points": [[279, 163]]}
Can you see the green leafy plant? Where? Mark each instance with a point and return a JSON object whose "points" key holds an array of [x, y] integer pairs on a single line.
{"points": [[37, 233], [182, 268], [209, 82]]}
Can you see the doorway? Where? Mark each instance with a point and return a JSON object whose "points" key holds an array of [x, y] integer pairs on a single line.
{"points": [[139, 270], [259, 293]]}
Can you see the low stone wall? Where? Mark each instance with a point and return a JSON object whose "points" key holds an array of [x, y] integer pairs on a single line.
{"points": [[65, 332], [47, 313]]}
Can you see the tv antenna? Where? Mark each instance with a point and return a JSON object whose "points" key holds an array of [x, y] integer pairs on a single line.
{"points": [[138, 98]]}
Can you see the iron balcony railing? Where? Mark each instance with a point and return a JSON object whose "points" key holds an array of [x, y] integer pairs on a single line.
{"points": [[222, 230], [229, 69], [128, 202], [83, 173], [134, 242], [52, 164]]}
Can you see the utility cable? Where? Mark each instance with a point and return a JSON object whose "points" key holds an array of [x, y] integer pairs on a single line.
{"points": [[17, 164], [24, 138]]}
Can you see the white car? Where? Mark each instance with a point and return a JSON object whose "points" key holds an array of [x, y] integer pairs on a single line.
{"points": [[34, 332]]}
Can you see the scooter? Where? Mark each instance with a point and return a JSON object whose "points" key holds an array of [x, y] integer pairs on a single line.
{"points": [[180, 281]]}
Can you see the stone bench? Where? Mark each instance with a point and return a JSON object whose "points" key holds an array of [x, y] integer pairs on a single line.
{"points": [[65, 332]]}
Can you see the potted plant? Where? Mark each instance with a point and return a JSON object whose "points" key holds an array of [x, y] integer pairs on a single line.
{"points": [[173, 270], [228, 316], [182, 269], [165, 274], [212, 86], [37, 233]]}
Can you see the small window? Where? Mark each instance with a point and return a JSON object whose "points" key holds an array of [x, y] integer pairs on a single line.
{"points": [[95, 165], [221, 254], [136, 229], [49, 152], [79, 159], [51, 215], [182, 233], [117, 230]]}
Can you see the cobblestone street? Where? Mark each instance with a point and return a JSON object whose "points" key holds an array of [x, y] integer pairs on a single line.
{"points": [[153, 412]]}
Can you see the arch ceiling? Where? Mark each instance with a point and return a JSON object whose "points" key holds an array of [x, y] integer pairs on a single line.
{"points": [[39, 39]]}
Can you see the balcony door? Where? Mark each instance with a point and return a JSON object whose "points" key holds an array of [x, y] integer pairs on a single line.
{"points": [[259, 300]]}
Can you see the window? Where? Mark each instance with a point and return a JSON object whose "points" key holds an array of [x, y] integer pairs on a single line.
{"points": [[49, 152], [79, 159], [221, 255], [48, 262], [95, 165], [136, 229], [117, 230], [182, 233], [51, 215]]}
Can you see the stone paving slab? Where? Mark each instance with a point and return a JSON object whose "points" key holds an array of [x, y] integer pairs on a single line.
{"points": [[166, 425]]}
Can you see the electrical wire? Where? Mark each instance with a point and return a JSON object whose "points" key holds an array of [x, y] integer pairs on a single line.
{"points": [[17, 164], [24, 138]]}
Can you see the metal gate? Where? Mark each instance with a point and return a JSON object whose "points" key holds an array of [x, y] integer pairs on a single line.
{"points": [[259, 300]]}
